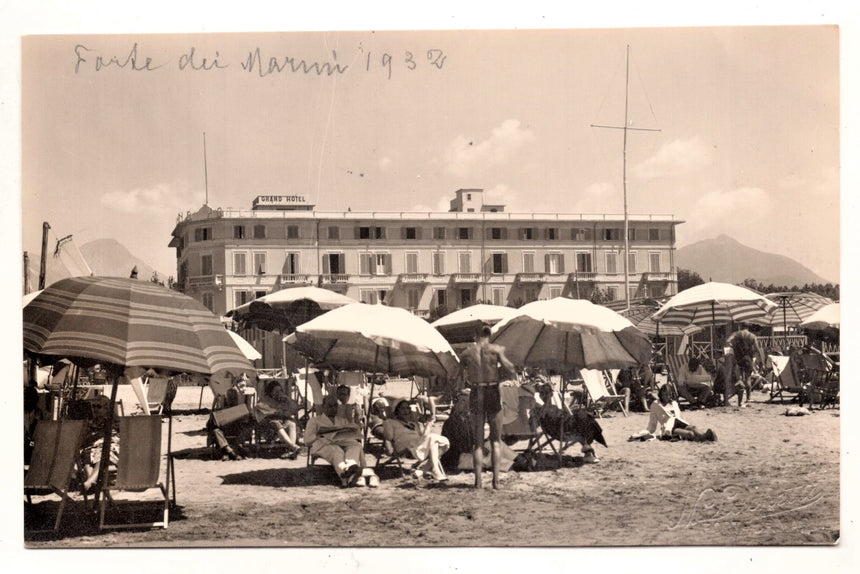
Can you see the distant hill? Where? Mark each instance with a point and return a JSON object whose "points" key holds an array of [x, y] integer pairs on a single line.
{"points": [[109, 258], [726, 260]]}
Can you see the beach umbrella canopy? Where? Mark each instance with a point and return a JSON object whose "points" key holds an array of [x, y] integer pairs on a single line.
{"points": [[247, 348], [283, 310], [570, 334], [794, 308], [376, 339], [461, 325], [642, 318], [714, 303], [128, 323], [825, 318]]}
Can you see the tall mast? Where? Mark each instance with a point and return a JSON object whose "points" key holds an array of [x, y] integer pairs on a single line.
{"points": [[43, 264], [626, 127], [205, 171]]}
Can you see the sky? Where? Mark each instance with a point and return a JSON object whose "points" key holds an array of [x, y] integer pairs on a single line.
{"points": [[748, 118]]}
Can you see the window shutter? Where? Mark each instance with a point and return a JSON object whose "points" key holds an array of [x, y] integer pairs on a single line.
{"points": [[341, 263], [325, 265], [504, 262], [357, 232], [561, 263], [417, 233], [402, 233]]}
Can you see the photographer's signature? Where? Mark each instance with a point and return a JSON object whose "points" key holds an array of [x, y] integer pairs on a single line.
{"points": [[737, 503]]}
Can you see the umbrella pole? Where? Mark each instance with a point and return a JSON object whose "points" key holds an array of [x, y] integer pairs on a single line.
{"points": [[561, 432], [307, 371], [713, 328], [105, 457], [367, 415], [784, 326]]}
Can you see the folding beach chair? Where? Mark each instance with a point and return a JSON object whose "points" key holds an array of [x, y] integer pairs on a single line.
{"points": [[522, 428], [137, 469], [675, 364], [56, 448], [815, 374], [600, 397], [156, 393], [786, 383]]}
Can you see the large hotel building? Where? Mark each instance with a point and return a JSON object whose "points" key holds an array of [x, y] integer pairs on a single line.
{"points": [[420, 260]]}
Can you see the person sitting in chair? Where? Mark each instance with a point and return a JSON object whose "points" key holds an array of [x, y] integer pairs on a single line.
{"points": [[276, 412], [338, 441], [577, 425], [694, 383], [405, 433], [240, 427]]}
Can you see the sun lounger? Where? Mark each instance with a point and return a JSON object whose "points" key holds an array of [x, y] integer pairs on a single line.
{"points": [[600, 398]]}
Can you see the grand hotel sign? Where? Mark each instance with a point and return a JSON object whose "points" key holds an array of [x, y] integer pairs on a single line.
{"points": [[281, 202]]}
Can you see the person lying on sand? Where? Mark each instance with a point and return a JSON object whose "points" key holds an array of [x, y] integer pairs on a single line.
{"points": [[665, 420]]}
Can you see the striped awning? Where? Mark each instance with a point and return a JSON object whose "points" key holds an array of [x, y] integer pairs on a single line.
{"points": [[129, 323], [714, 304]]}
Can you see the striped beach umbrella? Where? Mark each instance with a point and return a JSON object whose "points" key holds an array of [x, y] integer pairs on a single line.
{"points": [[714, 304], [128, 323], [285, 309], [825, 318], [570, 334]]}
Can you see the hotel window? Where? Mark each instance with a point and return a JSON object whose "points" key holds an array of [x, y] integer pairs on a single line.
{"points": [[552, 234], [413, 297], [653, 234], [500, 262], [611, 264], [206, 265], [258, 294], [654, 262], [631, 262], [632, 292], [238, 232], [367, 296], [363, 233], [498, 233], [333, 232], [554, 292], [527, 233], [583, 262], [240, 298], [612, 234], [441, 298], [203, 234], [528, 262], [464, 233], [383, 264], [554, 263], [468, 197], [529, 295], [412, 263], [381, 295], [580, 234], [439, 263], [260, 263], [410, 233], [333, 264], [631, 234], [465, 260], [438, 233], [374, 264], [260, 231], [465, 297], [612, 293], [499, 296], [291, 264], [379, 233], [208, 301], [292, 231], [240, 264]]}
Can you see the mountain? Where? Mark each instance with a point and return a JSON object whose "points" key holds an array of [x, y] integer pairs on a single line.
{"points": [[726, 260], [109, 258]]}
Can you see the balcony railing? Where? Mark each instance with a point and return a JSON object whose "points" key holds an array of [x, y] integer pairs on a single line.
{"points": [[583, 276], [335, 278], [203, 280], [423, 313], [466, 277], [531, 277], [657, 276], [296, 278], [413, 277]]}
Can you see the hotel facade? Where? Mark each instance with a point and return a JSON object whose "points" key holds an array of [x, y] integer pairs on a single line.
{"points": [[421, 261]]}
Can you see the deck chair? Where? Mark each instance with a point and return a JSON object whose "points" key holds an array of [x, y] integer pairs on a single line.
{"points": [[814, 370], [137, 469], [675, 364], [522, 428], [786, 383], [156, 393], [56, 448], [600, 398]]}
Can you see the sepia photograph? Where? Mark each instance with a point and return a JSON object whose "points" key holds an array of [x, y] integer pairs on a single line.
{"points": [[543, 287]]}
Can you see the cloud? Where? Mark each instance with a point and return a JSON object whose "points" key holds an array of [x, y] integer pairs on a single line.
{"points": [[159, 199], [443, 204], [678, 157], [595, 198], [737, 212], [463, 155]]}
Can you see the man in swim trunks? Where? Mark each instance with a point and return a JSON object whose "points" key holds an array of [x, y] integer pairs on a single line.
{"points": [[482, 364]]}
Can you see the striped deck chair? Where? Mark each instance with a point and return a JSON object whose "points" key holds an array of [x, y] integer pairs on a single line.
{"points": [[56, 447], [137, 469], [600, 397], [787, 385], [675, 364]]}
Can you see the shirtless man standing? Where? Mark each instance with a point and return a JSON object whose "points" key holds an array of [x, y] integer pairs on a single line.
{"points": [[481, 363]]}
